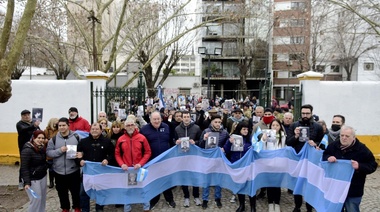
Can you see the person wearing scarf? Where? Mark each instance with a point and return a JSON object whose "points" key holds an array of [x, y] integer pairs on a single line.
{"points": [[34, 170], [362, 160], [334, 131], [231, 122]]}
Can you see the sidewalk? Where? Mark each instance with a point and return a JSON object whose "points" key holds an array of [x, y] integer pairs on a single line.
{"points": [[370, 202]]}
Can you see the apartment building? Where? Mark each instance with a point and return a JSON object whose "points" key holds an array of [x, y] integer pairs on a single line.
{"points": [[291, 44], [228, 45]]}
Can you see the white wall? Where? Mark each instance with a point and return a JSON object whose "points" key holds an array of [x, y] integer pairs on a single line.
{"points": [[357, 101], [175, 82], [54, 96]]}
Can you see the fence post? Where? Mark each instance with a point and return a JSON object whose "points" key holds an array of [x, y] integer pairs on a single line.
{"points": [[98, 81]]}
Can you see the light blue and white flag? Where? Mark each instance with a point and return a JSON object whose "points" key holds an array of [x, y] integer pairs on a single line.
{"points": [[160, 97], [325, 140], [324, 185], [256, 134]]}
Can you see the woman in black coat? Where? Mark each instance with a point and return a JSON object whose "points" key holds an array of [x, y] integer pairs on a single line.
{"points": [[33, 171]]}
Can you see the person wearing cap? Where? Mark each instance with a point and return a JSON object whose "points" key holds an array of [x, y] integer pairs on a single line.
{"points": [[95, 148], [25, 128], [231, 122], [132, 151], [77, 122]]}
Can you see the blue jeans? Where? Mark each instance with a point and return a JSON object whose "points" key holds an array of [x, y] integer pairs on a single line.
{"points": [[128, 208], [85, 201], [352, 204], [206, 192]]}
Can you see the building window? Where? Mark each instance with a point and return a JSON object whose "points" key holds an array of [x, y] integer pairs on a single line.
{"points": [[368, 66], [320, 68], [297, 40], [335, 69], [295, 73], [298, 5], [297, 22], [298, 56]]}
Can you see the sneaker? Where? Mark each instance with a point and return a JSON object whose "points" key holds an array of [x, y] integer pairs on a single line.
{"points": [[21, 186], [233, 199], [186, 204], [204, 204], [218, 203], [197, 202], [171, 204], [77, 210]]}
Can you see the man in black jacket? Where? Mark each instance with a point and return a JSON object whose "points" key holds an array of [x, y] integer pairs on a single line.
{"points": [[193, 132], [314, 138], [25, 128], [362, 160], [94, 148]]}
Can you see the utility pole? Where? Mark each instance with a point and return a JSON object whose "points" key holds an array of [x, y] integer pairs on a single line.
{"points": [[94, 50]]}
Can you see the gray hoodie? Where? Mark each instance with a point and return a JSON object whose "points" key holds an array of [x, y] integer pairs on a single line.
{"points": [[61, 164]]}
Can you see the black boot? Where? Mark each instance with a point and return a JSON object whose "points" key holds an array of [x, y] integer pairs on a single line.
{"points": [[51, 179], [252, 203], [241, 207]]}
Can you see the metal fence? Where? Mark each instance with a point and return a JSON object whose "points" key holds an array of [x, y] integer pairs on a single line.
{"points": [[116, 101]]}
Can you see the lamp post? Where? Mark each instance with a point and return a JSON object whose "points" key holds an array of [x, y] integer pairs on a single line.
{"points": [[203, 50]]}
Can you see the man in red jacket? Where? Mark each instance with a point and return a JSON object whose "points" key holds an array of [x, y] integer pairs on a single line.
{"points": [[77, 122], [132, 150]]}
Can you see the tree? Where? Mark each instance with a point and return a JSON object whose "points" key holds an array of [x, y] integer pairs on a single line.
{"points": [[9, 57], [353, 38], [367, 10], [165, 47]]}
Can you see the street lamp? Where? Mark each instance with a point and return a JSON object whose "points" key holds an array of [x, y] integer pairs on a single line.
{"points": [[203, 50]]}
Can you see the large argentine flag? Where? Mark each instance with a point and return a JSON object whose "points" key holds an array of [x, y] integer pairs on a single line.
{"points": [[323, 185]]}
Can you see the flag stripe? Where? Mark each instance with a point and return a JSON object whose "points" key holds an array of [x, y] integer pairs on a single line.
{"points": [[303, 172]]}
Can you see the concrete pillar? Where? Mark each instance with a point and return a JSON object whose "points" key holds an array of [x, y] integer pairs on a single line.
{"points": [[98, 80], [310, 82]]}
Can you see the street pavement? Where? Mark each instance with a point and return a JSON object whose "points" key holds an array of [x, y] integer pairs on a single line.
{"points": [[370, 202]]}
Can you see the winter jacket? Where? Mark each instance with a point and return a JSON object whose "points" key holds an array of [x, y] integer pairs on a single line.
{"points": [[132, 150], [223, 136], [192, 131], [79, 124], [96, 150], [61, 164], [229, 121], [33, 164], [360, 153], [25, 131], [159, 139], [315, 134], [234, 155]]}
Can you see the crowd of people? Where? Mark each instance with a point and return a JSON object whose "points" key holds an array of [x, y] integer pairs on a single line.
{"points": [[132, 142]]}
